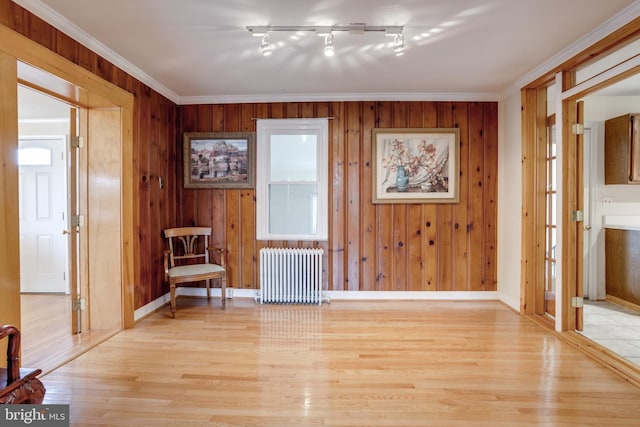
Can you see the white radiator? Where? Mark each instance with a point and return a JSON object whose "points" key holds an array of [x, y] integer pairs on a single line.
{"points": [[291, 275]]}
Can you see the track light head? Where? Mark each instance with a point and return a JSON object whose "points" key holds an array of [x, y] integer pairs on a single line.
{"points": [[398, 44], [328, 45], [265, 46]]}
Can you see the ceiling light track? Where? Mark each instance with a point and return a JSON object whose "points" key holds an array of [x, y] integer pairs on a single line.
{"points": [[327, 32], [392, 30]]}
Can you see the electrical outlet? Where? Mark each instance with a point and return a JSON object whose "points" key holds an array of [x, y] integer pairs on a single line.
{"points": [[606, 201]]}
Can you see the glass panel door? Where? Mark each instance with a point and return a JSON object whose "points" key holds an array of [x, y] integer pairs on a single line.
{"points": [[551, 221]]}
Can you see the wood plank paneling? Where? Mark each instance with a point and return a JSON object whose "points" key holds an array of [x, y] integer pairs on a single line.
{"points": [[490, 195], [367, 209], [412, 247], [461, 209], [445, 240], [337, 222], [353, 190]]}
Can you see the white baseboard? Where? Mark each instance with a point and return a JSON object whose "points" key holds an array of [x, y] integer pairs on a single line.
{"points": [[337, 296], [410, 295], [511, 302], [149, 308]]}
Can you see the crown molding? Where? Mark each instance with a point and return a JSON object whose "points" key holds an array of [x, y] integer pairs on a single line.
{"points": [[337, 97], [619, 20], [58, 21]]}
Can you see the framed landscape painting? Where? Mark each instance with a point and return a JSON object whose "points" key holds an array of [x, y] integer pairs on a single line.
{"points": [[219, 159], [416, 165]]}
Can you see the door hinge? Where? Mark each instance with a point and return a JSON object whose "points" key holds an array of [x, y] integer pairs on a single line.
{"points": [[77, 141], [577, 216], [577, 302], [77, 220], [577, 129], [78, 304]]}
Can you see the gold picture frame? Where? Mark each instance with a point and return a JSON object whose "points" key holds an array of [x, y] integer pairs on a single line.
{"points": [[415, 165], [219, 159]]}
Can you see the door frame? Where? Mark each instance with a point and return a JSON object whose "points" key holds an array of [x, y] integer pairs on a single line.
{"points": [[568, 93], [27, 62]]}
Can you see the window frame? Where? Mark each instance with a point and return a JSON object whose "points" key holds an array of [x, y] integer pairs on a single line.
{"points": [[265, 128]]}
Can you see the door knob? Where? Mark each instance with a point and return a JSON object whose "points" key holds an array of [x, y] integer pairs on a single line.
{"points": [[587, 227], [66, 232]]}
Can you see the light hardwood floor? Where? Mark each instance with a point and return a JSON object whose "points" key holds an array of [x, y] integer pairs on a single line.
{"points": [[427, 363], [47, 341]]}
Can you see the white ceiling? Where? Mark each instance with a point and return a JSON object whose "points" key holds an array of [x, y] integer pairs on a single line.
{"points": [[199, 51]]}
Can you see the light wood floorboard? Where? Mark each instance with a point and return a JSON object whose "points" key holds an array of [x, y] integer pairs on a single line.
{"points": [[405, 363], [47, 342]]}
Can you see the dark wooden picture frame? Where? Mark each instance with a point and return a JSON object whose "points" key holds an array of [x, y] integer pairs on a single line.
{"points": [[219, 159], [416, 165]]}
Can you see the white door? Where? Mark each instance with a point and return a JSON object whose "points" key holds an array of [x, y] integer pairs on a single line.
{"points": [[43, 214]]}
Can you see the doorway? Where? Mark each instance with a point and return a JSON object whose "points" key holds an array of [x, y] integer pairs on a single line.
{"points": [[45, 205], [44, 215], [108, 239], [607, 321]]}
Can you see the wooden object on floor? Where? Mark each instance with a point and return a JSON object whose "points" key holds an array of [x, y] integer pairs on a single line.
{"points": [[188, 261], [18, 385]]}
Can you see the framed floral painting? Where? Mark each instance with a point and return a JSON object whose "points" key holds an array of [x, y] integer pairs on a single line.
{"points": [[416, 165]]}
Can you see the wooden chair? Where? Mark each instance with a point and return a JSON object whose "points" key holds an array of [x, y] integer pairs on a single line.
{"points": [[17, 385], [188, 260]]}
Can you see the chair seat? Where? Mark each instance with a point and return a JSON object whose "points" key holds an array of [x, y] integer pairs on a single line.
{"points": [[194, 270]]}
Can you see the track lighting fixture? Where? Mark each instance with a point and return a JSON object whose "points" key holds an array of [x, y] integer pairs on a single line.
{"points": [[327, 32]]}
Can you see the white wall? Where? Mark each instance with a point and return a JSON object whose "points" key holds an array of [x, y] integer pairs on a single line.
{"points": [[41, 128], [509, 199]]}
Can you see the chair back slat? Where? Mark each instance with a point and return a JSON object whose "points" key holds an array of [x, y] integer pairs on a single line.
{"points": [[184, 244]]}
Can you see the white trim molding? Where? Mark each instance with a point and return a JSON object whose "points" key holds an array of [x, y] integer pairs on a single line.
{"points": [[339, 97], [149, 308], [412, 295]]}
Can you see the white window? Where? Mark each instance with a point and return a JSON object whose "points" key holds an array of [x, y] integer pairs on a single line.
{"points": [[291, 179]]}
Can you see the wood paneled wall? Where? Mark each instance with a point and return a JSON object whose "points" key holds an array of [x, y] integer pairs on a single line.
{"points": [[412, 247], [154, 136]]}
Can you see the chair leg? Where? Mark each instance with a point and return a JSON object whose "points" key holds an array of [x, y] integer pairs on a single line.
{"points": [[208, 286], [223, 290], [172, 291]]}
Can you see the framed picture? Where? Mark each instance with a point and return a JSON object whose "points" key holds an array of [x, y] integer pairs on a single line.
{"points": [[219, 160], [416, 165]]}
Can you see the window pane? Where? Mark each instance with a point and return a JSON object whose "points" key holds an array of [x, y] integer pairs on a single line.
{"points": [[292, 208], [34, 156], [293, 157]]}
